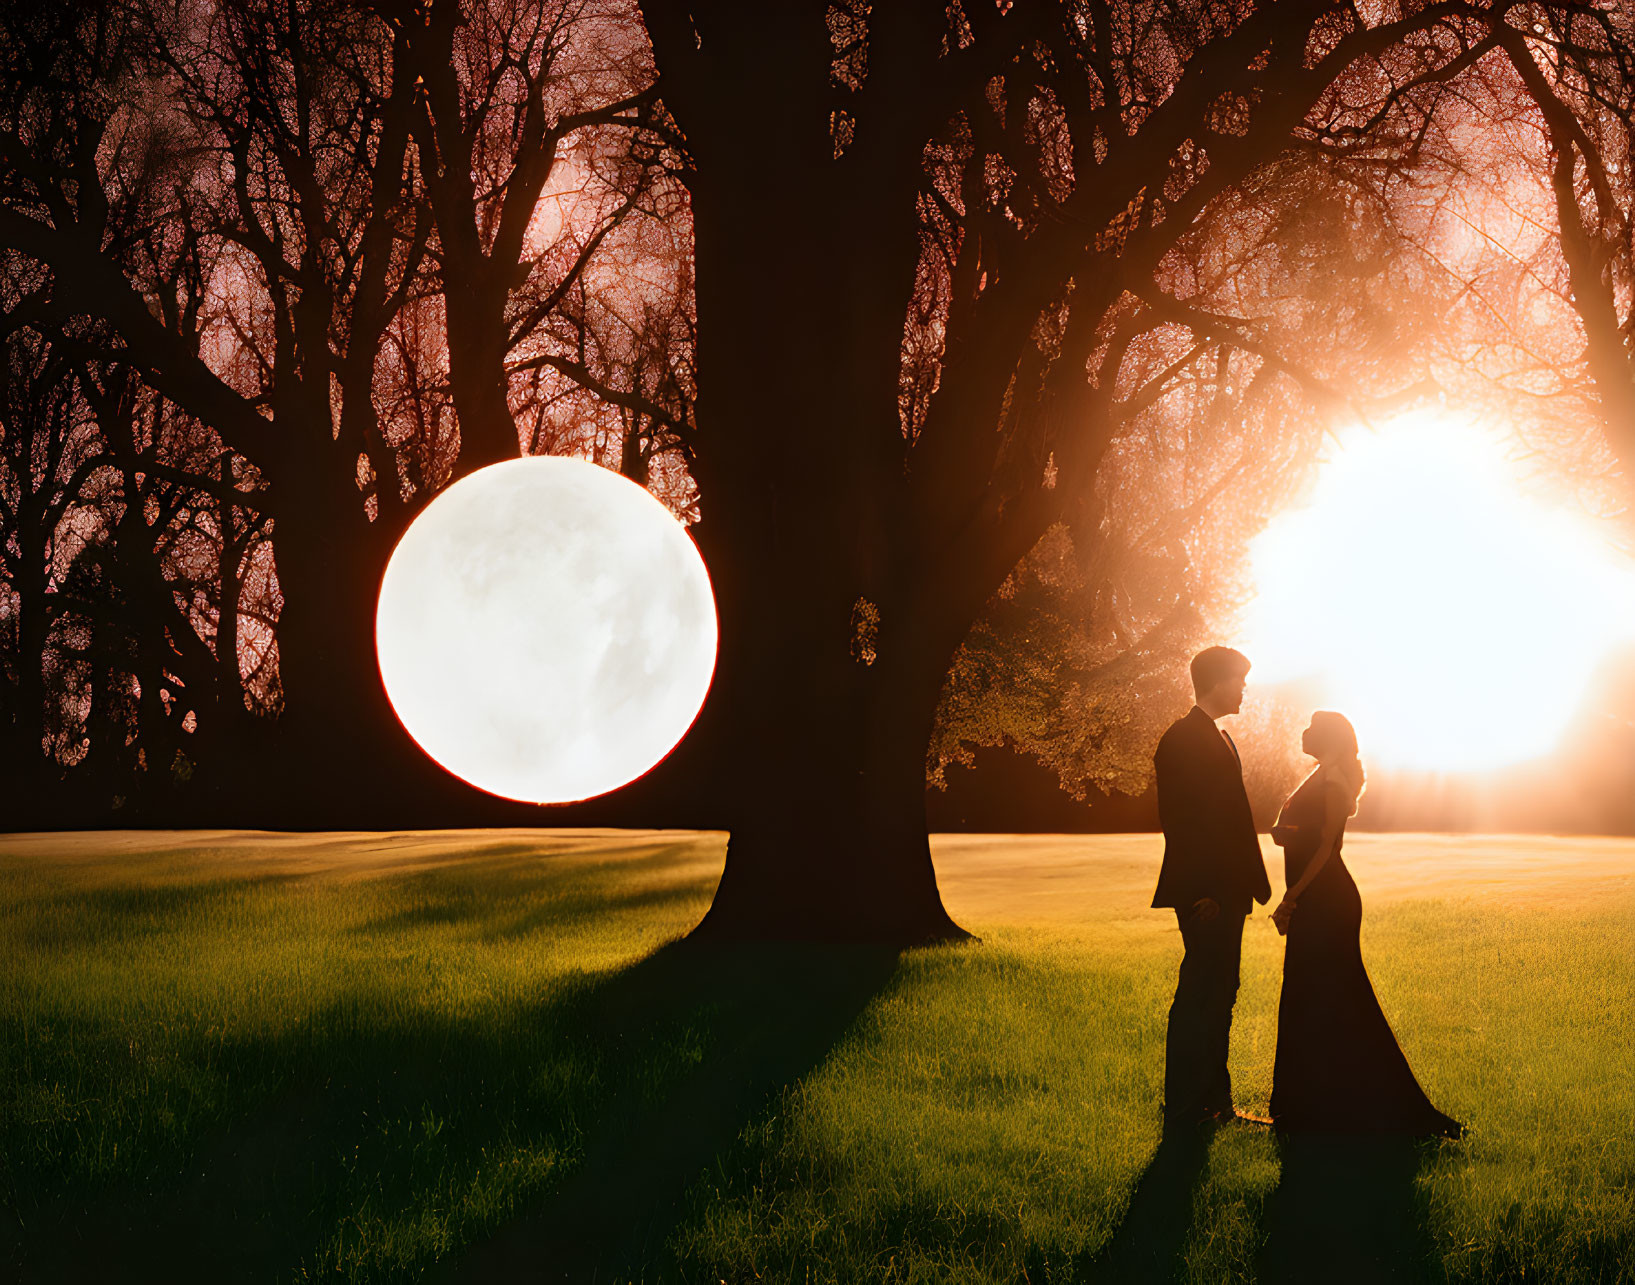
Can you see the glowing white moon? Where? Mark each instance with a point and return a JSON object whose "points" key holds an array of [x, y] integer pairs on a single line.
{"points": [[546, 630], [1429, 594]]}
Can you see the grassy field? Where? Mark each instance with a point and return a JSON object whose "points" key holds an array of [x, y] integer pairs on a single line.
{"points": [[481, 1056]]}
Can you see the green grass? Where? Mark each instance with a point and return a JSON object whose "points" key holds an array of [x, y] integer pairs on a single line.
{"points": [[373, 1057]]}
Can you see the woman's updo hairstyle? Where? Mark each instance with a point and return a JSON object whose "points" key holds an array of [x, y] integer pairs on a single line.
{"points": [[1334, 741]]}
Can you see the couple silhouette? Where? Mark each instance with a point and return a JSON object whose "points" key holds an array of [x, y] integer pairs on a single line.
{"points": [[1338, 1068]]}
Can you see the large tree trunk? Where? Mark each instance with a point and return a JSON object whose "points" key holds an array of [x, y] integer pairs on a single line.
{"points": [[341, 758], [821, 762], [476, 353], [832, 658]]}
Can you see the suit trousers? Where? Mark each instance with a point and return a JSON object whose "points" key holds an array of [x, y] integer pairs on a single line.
{"points": [[1200, 1017]]}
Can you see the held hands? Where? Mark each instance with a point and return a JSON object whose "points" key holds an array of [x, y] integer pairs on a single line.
{"points": [[1205, 909], [1280, 916]]}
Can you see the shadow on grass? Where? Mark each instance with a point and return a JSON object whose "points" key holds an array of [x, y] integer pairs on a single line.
{"points": [[374, 1137], [1346, 1209], [501, 899], [775, 1009], [1150, 1242], [61, 922]]}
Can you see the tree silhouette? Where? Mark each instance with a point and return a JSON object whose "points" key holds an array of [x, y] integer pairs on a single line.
{"points": [[1576, 67], [310, 231], [941, 265]]}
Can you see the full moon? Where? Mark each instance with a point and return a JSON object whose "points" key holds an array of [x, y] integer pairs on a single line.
{"points": [[1430, 593], [546, 630]]}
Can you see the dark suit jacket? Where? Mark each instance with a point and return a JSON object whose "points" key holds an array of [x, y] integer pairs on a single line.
{"points": [[1210, 845]]}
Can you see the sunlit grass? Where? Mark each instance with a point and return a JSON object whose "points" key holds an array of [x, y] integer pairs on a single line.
{"points": [[305, 1072], [364, 1057], [989, 1118]]}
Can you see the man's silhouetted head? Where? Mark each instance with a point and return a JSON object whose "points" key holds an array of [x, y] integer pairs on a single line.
{"points": [[1218, 678]]}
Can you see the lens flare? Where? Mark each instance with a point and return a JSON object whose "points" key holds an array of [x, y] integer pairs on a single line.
{"points": [[1430, 593]]}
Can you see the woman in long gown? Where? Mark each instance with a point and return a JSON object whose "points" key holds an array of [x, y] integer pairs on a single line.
{"points": [[1338, 1067]]}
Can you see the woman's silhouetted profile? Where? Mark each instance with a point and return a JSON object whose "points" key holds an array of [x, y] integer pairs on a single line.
{"points": [[1338, 1067]]}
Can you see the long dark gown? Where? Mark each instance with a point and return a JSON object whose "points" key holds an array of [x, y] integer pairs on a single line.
{"points": [[1338, 1067]]}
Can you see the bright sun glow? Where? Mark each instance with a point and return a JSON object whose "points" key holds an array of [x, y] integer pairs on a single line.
{"points": [[546, 630], [1428, 594]]}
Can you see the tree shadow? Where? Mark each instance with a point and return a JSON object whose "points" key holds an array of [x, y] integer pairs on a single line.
{"points": [[63, 921], [776, 1009], [521, 895], [626, 1085], [1346, 1209], [1150, 1241]]}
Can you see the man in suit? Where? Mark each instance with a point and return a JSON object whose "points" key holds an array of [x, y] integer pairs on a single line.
{"points": [[1212, 870]]}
